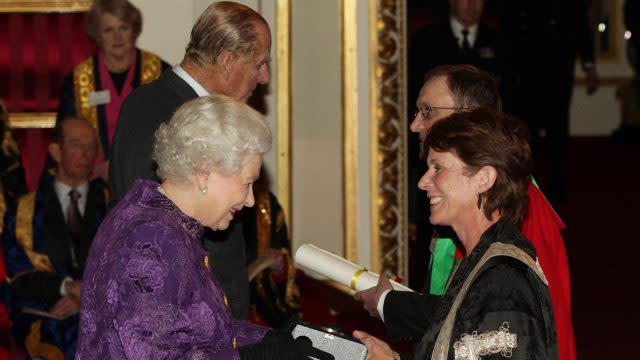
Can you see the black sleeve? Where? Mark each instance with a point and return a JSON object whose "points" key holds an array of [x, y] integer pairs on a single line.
{"points": [[408, 314]]}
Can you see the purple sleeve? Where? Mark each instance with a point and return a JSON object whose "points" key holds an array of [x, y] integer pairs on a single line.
{"points": [[164, 308], [248, 333]]}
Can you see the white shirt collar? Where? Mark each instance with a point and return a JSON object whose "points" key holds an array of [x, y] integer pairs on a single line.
{"points": [[62, 191], [189, 80], [457, 31]]}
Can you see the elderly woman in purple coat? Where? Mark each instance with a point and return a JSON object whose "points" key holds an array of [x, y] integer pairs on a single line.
{"points": [[148, 292]]}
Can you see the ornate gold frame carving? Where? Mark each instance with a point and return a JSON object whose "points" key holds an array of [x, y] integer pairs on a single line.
{"points": [[44, 5], [388, 138]]}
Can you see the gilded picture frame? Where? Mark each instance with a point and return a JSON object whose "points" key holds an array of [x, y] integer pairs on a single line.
{"points": [[44, 5]]}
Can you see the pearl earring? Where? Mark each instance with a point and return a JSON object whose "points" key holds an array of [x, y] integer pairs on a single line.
{"points": [[204, 190]]}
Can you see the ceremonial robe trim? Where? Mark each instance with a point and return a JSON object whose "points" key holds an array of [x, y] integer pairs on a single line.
{"points": [[24, 233], [38, 349], [474, 346], [151, 67], [441, 348], [83, 85]]}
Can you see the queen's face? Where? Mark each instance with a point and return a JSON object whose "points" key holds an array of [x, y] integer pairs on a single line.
{"points": [[452, 193], [228, 194]]}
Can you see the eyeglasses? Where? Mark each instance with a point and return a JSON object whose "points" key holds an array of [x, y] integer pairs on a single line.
{"points": [[424, 110]]}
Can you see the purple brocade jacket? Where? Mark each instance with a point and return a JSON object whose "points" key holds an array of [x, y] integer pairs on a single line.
{"points": [[148, 292]]}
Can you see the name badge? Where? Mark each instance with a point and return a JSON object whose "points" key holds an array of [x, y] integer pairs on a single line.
{"points": [[99, 97]]}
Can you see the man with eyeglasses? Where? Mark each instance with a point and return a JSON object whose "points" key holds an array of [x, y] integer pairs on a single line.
{"points": [[448, 89]]}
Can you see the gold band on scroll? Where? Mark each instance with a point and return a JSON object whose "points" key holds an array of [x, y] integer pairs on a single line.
{"points": [[355, 277]]}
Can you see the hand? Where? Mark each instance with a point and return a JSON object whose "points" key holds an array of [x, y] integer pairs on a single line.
{"points": [[278, 260], [278, 345], [370, 297], [66, 306], [73, 289], [304, 350], [376, 348], [273, 257], [593, 81]]}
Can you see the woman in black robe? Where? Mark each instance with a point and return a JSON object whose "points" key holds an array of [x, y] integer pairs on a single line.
{"points": [[496, 304]]}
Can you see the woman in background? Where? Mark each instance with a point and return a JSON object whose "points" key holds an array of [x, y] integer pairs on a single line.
{"points": [[97, 87]]}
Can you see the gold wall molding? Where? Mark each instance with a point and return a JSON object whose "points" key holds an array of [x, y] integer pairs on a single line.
{"points": [[44, 5], [283, 106], [388, 138], [349, 35], [32, 120]]}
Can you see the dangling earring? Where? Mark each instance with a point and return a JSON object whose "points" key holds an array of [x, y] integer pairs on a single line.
{"points": [[480, 202], [204, 190]]}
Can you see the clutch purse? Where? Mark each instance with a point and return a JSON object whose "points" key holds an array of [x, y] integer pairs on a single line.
{"points": [[341, 346]]}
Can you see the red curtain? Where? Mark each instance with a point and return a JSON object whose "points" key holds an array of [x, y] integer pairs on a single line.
{"points": [[36, 51]]}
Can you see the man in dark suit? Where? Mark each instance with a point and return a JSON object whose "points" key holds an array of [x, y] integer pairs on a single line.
{"points": [[459, 39], [541, 40], [46, 240], [228, 54]]}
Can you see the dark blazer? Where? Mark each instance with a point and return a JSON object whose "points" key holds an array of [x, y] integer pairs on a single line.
{"points": [[541, 40], [141, 115], [407, 314], [436, 45]]}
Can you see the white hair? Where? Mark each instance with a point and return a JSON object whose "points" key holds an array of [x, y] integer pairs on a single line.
{"points": [[211, 132]]}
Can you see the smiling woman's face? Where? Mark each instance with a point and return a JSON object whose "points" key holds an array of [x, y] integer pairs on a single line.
{"points": [[228, 194], [451, 192]]}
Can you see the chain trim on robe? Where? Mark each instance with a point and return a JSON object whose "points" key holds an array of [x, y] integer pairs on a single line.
{"points": [[38, 349], [24, 232], [151, 67], [10, 147], [473, 346], [441, 347], [292, 292], [263, 230], [83, 85], [264, 220]]}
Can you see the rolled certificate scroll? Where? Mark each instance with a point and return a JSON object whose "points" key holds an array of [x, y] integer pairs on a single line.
{"points": [[339, 269]]}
